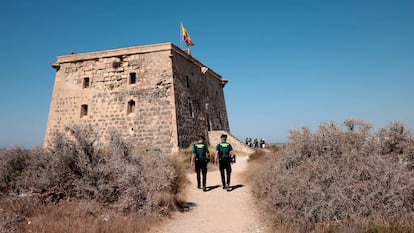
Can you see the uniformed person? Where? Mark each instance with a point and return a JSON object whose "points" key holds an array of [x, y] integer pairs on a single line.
{"points": [[225, 157], [199, 160]]}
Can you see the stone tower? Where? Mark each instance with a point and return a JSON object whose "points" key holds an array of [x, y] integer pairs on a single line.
{"points": [[158, 95]]}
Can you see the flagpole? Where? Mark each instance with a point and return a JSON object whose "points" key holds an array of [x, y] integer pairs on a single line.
{"points": [[181, 36]]}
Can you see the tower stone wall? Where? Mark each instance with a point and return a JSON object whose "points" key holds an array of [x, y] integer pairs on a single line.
{"points": [[157, 95]]}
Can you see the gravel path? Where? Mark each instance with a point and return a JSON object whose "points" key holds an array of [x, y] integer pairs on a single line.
{"points": [[217, 210]]}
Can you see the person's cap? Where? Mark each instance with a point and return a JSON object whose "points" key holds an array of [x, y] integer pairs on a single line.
{"points": [[200, 137], [223, 136]]}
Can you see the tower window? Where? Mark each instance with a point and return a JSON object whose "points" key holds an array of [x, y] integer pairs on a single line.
{"points": [[84, 110], [132, 78], [188, 81], [131, 107], [86, 82], [190, 106]]}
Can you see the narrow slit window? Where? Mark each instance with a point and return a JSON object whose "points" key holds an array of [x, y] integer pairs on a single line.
{"points": [[219, 117], [86, 82], [84, 110], [190, 106], [132, 78], [131, 107], [188, 81]]}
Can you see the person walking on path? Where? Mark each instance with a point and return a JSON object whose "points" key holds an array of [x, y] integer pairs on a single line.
{"points": [[225, 157], [199, 160]]}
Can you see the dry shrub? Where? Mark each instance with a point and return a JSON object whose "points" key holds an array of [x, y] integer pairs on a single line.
{"points": [[12, 164], [77, 167], [397, 142], [256, 161], [183, 159], [127, 178], [339, 178], [260, 156], [180, 162], [147, 185]]}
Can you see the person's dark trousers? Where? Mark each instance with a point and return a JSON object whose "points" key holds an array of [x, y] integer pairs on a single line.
{"points": [[225, 165], [201, 167]]}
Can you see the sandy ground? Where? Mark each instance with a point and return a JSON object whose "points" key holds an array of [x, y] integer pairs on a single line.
{"points": [[217, 210]]}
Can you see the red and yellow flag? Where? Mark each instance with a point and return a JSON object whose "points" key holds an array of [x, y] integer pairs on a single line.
{"points": [[186, 36]]}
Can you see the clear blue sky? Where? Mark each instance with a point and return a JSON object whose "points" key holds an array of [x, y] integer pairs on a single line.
{"points": [[289, 63]]}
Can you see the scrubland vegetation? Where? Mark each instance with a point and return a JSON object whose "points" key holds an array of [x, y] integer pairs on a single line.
{"points": [[80, 186], [341, 178]]}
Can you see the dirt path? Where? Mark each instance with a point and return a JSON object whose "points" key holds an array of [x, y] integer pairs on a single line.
{"points": [[217, 210]]}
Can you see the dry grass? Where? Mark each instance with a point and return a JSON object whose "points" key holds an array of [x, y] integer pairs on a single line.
{"points": [[76, 216], [339, 180], [86, 217]]}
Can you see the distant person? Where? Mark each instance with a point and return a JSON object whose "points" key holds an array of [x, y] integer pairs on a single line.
{"points": [[262, 143], [225, 156], [199, 160], [249, 142]]}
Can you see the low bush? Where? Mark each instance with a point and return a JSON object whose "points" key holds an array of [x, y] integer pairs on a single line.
{"points": [[340, 178], [77, 168]]}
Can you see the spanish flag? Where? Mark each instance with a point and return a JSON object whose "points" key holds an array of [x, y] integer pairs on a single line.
{"points": [[186, 36]]}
